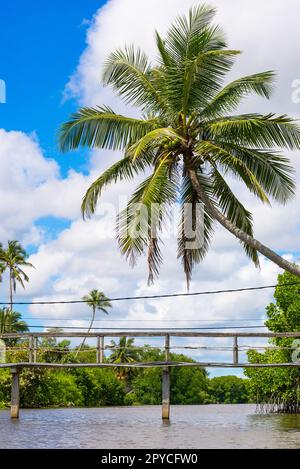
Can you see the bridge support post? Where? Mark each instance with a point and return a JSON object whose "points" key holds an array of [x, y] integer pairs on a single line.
{"points": [[166, 383], [15, 393], [100, 349], [235, 351], [31, 349], [35, 349], [166, 394]]}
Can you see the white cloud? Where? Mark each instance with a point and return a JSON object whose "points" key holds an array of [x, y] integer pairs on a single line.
{"points": [[31, 187]]}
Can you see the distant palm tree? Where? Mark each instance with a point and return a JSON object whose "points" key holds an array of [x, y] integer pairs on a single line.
{"points": [[53, 350], [11, 322], [189, 139], [13, 258], [98, 302], [124, 352]]}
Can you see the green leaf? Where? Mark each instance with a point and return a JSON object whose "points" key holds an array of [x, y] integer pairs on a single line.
{"points": [[153, 140], [234, 210], [203, 230], [101, 128], [217, 155], [230, 97], [122, 169], [143, 218], [272, 170], [256, 130], [130, 74]]}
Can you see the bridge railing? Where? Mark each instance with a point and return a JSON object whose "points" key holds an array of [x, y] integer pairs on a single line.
{"points": [[30, 343]]}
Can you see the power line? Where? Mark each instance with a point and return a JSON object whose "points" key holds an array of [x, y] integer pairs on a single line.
{"points": [[148, 329], [153, 297], [144, 320]]}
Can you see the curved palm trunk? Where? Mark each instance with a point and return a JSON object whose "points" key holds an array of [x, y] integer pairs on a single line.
{"points": [[10, 290], [240, 234], [89, 330]]}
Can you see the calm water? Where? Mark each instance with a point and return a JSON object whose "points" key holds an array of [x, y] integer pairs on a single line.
{"points": [[228, 426]]}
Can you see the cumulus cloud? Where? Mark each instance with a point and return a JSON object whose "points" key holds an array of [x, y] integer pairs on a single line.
{"points": [[31, 187]]}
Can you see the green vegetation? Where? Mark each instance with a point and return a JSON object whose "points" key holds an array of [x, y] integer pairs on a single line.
{"points": [[14, 259], [98, 302], [229, 390], [278, 389], [11, 321], [113, 387], [189, 140]]}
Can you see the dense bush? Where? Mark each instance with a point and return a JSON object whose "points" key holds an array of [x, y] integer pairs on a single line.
{"points": [[228, 390], [279, 388], [99, 387], [83, 387]]}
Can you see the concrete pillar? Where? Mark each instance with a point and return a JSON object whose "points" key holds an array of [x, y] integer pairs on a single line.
{"points": [[166, 383], [15, 393]]}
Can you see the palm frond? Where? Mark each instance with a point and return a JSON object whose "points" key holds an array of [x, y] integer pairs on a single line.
{"points": [[186, 37], [101, 128], [231, 95], [189, 250], [193, 60], [234, 210], [123, 169], [152, 140], [144, 216], [256, 130], [272, 170], [164, 56], [154, 259], [129, 72], [191, 84], [215, 154]]}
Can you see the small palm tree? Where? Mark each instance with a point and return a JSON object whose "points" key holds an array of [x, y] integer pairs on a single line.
{"points": [[124, 352], [13, 258], [98, 302], [11, 322], [54, 351], [189, 140]]}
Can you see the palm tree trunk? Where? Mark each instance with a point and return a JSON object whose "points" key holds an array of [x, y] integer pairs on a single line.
{"points": [[89, 330], [238, 233], [10, 290]]}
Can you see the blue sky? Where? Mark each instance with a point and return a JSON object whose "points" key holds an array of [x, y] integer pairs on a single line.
{"points": [[40, 45], [48, 47]]}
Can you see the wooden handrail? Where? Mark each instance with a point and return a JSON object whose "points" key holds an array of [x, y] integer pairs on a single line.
{"points": [[165, 365], [160, 333]]}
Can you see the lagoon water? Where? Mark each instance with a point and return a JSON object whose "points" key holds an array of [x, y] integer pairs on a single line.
{"points": [[212, 426]]}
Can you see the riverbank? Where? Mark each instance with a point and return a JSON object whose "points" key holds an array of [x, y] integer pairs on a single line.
{"points": [[210, 426]]}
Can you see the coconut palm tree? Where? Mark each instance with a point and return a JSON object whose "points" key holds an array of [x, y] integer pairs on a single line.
{"points": [[13, 258], [124, 352], [98, 302], [11, 321], [189, 140]]}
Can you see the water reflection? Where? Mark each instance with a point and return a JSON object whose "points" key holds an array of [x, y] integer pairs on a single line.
{"points": [[228, 426], [276, 422]]}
